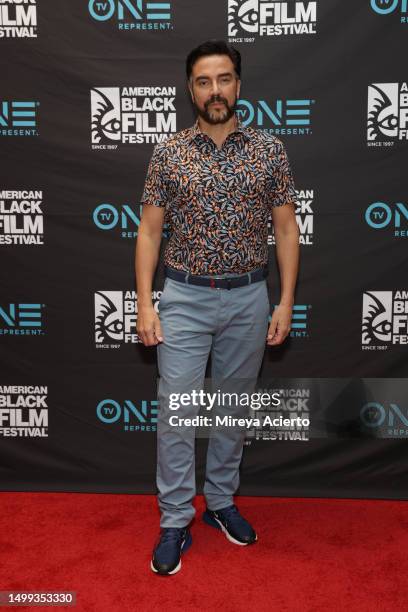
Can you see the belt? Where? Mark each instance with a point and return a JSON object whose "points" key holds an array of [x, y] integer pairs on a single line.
{"points": [[217, 281]]}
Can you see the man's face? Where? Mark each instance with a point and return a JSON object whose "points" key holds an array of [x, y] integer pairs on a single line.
{"points": [[214, 88]]}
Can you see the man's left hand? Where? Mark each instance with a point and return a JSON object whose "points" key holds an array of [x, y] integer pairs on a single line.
{"points": [[279, 327]]}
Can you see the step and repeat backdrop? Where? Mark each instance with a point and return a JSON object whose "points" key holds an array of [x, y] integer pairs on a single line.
{"points": [[87, 90]]}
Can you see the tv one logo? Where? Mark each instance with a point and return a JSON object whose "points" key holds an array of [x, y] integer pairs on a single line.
{"points": [[387, 421], [108, 217], [299, 320], [132, 115], [21, 319], [263, 18], [277, 117], [18, 118], [384, 319], [18, 19], [380, 215], [132, 14], [385, 7], [140, 416], [387, 113]]}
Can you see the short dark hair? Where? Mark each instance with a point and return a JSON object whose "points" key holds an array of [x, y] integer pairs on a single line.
{"points": [[214, 47]]}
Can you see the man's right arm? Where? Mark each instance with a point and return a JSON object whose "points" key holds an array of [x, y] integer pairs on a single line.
{"points": [[146, 259]]}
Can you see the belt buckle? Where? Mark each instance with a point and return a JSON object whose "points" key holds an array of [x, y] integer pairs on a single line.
{"points": [[213, 279]]}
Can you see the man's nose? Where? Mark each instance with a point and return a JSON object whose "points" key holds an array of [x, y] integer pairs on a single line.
{"points": [[215, 88]]}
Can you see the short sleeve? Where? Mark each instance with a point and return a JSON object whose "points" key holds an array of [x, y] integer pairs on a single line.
{"points": [[155, 187], [282, 187]]}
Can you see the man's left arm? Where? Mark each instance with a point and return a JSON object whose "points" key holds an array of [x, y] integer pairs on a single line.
{"points": [[282, 206], [287, 252]]}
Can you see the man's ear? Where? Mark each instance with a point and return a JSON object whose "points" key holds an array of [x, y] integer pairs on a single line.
{"points": [[190, 90], [238, 87]]}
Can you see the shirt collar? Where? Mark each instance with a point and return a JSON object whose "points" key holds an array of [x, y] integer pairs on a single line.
{"points": [[195, 131]]}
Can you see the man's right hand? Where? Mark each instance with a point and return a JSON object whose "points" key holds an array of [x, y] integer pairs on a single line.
{"points": [[148, 326]]}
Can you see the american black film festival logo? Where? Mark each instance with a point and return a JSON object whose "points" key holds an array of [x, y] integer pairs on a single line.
{"points": [[116, 317], [132, 115], [18, 18], [21, 217], [289, 420], [387, 114], [250, 19], [304, 217], [384, 319], [23, 411]]}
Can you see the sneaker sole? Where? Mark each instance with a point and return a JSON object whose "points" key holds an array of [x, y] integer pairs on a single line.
{"points": [[214, 522], [185, 546], [174, 571]]}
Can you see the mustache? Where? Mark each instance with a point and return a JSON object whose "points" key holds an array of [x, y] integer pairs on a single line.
{"points": [[216, 99]]}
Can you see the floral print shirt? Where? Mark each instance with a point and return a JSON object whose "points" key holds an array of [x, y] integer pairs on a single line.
{"points": [[218, 201]]}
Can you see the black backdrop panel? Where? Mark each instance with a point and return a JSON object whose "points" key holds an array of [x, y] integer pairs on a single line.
{"points": [[77, 388]]}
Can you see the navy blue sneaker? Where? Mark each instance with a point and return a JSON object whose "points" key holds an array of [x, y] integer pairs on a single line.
{"points": [[235, 527], [167, 552]]}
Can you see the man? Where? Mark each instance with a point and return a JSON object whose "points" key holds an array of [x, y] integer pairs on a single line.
{"points": [[216, 184]]}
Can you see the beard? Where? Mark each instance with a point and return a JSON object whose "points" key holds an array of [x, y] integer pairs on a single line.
{"points": [[216, 116]]}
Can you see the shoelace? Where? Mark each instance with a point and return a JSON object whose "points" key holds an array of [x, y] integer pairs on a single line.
{"points": [[231, 514], [172, 533]]}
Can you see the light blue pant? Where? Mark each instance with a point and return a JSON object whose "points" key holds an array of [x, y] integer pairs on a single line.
{"points": [[232, 324]]}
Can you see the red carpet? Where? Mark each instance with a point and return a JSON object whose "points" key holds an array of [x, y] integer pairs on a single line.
{"points": [[312, 555]]}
